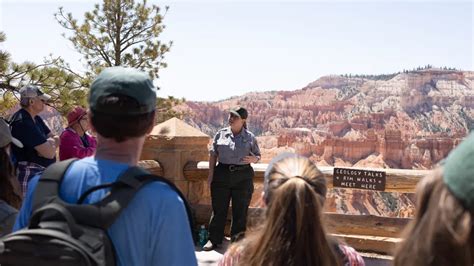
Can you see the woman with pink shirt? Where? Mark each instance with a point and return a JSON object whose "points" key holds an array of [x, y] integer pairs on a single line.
{"points": [[74, 141]]}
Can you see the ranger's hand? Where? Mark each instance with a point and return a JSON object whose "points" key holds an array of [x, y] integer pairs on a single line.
{"points": [[250, 159]]}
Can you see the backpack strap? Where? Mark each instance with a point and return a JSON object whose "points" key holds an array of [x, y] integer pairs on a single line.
{"points": [[148, 178], [104, 213], [153, 178], [48, 185]]}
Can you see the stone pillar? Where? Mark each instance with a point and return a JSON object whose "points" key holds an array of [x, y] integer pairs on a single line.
{"points": [[173, 143]]}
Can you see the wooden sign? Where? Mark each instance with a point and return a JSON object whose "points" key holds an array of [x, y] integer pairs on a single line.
{"points": [[359, 179]]}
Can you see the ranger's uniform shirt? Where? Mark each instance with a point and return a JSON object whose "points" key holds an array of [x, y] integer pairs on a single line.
{"points": [[231, 149]]}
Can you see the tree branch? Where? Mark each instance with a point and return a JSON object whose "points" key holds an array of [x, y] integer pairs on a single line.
{"points": [[138, 33], [62, 23], [7, 86]]}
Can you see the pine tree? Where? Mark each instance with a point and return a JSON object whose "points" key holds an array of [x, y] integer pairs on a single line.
{"points": [[122, 33], [7, 99], [65, 88]]}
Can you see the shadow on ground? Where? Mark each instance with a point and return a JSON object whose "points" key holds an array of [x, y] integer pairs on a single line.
{"points": [[208, 258]]}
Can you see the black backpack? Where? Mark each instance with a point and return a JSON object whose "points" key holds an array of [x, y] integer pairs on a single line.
{"points": [[60, 233]]}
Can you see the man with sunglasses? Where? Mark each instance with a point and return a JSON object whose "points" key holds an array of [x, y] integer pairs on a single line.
{"points": [[39, 144]]}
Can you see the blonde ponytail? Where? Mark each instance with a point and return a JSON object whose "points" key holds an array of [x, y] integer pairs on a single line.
{"points": [[293, 233]]}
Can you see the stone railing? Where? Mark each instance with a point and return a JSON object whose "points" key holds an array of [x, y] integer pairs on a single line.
{"points": [[179, 152]]}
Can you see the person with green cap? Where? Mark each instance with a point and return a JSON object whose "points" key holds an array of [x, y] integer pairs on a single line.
{"points": [[153, 229], [442, 231], [234, 148]]}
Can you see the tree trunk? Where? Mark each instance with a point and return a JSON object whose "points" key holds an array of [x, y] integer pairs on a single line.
{"points": [[118, 29]]}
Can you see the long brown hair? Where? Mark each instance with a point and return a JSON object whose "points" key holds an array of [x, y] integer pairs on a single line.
{"points": [[292, 233], [7, 176], [441, 232]]}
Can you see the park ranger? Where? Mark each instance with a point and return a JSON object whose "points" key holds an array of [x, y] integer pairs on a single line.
{"points": [[234, 148]]}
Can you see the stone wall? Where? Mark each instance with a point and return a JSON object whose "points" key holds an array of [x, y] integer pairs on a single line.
{"points": [[173, 143]]}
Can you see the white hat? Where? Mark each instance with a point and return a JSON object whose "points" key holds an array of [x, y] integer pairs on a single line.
{"points": [[31, 91]]}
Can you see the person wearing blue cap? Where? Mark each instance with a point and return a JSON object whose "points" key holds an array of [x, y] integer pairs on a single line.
{"points": [[234, 148], [442, 231], [154, 228]]}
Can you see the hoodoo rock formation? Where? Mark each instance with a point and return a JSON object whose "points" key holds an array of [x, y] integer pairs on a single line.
{"points": [[411, 120]]}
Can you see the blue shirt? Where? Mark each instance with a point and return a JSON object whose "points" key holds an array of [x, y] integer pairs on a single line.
{"points": [[231, 149], [31, 132], [152, 230]]}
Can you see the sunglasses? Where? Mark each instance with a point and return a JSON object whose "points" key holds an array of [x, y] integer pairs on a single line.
{"points": [[42, 100]]}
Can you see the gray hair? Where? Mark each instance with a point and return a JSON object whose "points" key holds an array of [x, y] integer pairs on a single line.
{"points": [[25, 102]]}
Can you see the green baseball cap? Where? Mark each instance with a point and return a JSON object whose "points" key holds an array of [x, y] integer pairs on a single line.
{"points": [[458, 172], [124, 81]]}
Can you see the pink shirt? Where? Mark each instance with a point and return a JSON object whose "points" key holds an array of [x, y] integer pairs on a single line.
{"points": [[71, 146], [352, 258]]}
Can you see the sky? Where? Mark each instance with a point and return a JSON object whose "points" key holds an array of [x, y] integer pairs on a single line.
{"points": [[227, 48]]}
